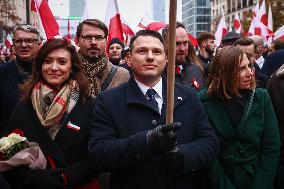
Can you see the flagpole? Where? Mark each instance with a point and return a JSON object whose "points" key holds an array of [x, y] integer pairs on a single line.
{"points": [[171, 61]]}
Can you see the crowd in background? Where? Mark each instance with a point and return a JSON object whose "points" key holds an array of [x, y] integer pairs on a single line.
{"points": [[228, 116]]}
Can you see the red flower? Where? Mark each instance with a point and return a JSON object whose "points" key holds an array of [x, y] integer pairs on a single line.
{"points": [[19, 132]]}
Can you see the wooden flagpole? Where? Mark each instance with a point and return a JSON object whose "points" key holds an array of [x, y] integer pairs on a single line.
{"points": [[171, 61]]}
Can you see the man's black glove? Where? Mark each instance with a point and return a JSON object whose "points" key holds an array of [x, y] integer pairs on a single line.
{"points": [[173, 160], [163, 137], [43, 178]]}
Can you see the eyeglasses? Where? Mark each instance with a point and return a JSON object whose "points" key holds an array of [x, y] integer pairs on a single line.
{"points": [[29, 41], [89, 38], [184, 43]]}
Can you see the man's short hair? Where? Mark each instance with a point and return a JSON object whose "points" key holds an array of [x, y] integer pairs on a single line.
{"points": [[151, 33], [204, 36], [93, 22], [243, 41], [27, 28]]}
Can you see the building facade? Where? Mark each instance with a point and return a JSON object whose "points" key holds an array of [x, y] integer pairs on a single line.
{"points": [[13, 12], [196, 15], [158, 9], [230, 7]]}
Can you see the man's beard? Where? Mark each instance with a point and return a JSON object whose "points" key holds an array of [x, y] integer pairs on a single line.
{"points": [[209, 51]]}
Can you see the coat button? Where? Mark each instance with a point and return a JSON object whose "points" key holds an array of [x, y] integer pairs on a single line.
{"points": [[154, 122]]}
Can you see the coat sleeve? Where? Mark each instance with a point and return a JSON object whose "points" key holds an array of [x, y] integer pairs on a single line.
{"points": [[269, 149], [111, 153], [203, 151]]}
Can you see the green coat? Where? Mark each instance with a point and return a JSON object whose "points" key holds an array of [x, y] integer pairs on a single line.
{"points": [[249, 152]]}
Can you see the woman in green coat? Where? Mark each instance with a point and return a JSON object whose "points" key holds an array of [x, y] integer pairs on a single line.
{"points": [[245, 123]]}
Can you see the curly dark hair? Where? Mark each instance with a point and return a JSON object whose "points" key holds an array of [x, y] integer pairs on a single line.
{"points": [[76, 73]]}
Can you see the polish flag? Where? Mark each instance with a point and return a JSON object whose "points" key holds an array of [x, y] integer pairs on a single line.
{"points": [[69, 34], [279, 34], [85, 12], [48, 21], [258, 28], [270, 25], [237, 24], [127, 30], [149, 24], [221, 31], [8, 41], [256, 9], [261, 15], [112, 20]]}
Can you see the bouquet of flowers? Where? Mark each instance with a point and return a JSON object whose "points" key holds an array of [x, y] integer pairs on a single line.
{"points": [[15, 150]]}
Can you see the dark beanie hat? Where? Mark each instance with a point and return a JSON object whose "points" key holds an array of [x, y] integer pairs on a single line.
{"points": [[115, 40]]}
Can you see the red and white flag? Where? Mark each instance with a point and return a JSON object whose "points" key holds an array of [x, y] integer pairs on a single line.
{"points": [[127, 30], [69, 34], [258, 28], [261, 15], [148, 23], [270, 24], [221, 31], [48, 21], [8, 41], [237, 24], [256, 9], [279, 34], [112, 20]]}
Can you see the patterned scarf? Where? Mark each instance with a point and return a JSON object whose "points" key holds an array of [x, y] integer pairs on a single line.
{"points": [[94, 71], [53, 106]]}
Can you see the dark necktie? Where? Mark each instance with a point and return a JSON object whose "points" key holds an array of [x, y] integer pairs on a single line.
{"points": [[151, 95]]}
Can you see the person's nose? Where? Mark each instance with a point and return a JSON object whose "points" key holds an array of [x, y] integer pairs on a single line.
{"points": [[150, 55], [94, 41], [250, 71], [54, 66]]}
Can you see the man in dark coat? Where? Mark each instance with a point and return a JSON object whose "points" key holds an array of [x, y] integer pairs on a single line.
{"points": [[275, 88], [188, 69], [273, 62], [26, 42], [129, 137]]}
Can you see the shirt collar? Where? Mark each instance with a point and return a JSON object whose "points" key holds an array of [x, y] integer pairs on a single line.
{"points": [[158, 87]]}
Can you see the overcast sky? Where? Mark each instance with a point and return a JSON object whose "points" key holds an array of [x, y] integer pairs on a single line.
{"points": [[131, 10]]}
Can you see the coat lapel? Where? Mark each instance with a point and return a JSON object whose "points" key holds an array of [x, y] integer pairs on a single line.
{"points": [[134, 95]]}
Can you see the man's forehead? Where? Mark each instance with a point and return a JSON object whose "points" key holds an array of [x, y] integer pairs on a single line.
{"points": [[20, 33], [91, 28]]}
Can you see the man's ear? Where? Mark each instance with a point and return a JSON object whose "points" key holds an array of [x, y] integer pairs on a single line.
{"points": [[203, 43], [129, 60]]}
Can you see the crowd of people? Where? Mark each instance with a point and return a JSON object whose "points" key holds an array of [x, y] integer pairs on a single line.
{"points": [[98, 110]]}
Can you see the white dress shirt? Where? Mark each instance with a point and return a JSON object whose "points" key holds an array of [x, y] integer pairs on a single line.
{"points": [[159, 92]]}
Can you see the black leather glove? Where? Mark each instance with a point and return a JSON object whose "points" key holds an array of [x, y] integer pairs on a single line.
{"points": [[163, 137], [173, 160], [45, 178]]}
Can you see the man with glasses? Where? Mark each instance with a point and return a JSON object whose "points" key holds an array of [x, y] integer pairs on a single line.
{"points": [[26, 42], [91, 37], [188, 68]]}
